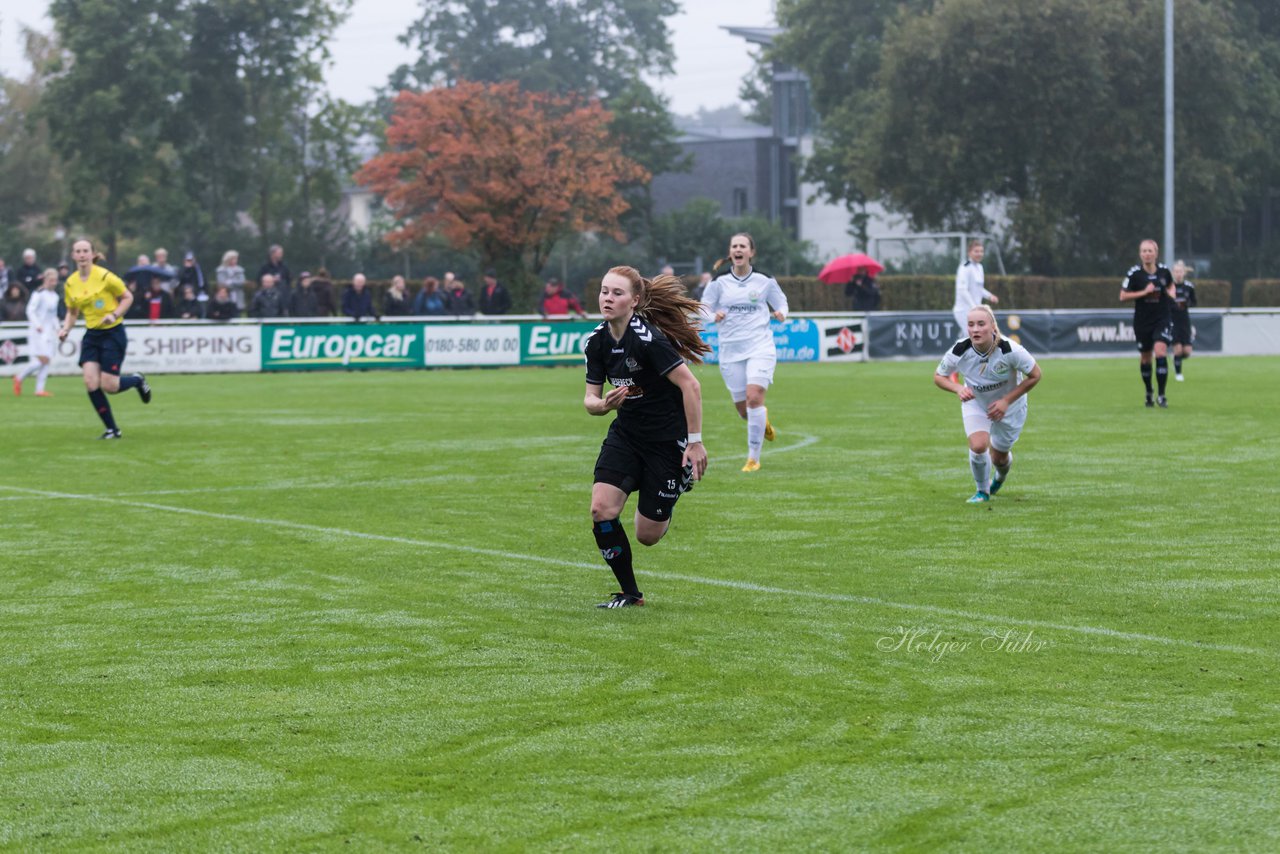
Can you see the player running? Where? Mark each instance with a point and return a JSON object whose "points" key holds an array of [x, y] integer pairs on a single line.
{"points": [[42, 333], [99, 294], [654, 445], [1150, 287], [742, 300], [1184, 299], [997, 376]]}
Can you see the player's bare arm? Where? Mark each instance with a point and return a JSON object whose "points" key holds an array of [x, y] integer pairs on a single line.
{"points": [[695, 453], [998, 408]]}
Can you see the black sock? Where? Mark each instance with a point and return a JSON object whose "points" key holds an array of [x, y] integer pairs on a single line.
{"points": [[129, 381], [1146, 377], [1177, 364], [1162, 374], [615, 548], [99, 400]]}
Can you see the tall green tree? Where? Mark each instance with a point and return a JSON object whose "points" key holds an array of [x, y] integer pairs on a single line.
{"points": [[253, 131], [31, 183], [961, 104], [109, 102]]}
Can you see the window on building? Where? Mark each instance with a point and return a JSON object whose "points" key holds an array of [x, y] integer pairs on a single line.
{"points": [[740, 201]]}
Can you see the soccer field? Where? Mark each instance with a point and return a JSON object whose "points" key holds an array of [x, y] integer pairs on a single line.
{"points": [[354, 610]]}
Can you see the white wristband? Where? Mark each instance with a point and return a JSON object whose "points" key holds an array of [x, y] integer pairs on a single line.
{"points": [[695, 437]]}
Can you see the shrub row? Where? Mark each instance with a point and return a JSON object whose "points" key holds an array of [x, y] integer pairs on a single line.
{"points": [[936, 293]]}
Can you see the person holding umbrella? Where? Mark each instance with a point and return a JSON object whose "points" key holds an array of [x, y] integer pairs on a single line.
{"points": [[857, 272], [741, 301]]}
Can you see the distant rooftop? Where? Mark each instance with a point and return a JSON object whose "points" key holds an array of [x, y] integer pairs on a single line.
{"points": [[755, 35], [718, 133]]}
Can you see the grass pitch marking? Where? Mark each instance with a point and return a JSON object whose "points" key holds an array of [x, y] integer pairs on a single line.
{"points": [[843, 598]]}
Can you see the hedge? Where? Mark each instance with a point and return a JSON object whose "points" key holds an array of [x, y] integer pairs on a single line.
{"points": [[934, 293]]}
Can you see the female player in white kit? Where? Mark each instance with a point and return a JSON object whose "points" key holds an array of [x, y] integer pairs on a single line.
{"points": [[742, 300], [997, 376], [42, 333]]}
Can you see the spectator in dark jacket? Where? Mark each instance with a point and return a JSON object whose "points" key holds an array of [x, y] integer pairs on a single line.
{"points": [[280, 270], [13, 307], [138, 308], [303, 302], [222, 306], [268, 301], [430, 301], [457, 301], [395, 302], [322, 284], [864, 291], [494, 298], [188, 307], [191, 274], [357, 300], [29, 275]]}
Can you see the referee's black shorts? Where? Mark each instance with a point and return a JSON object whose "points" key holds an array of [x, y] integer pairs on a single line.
{"points": [[651, 468], [106, 347]]}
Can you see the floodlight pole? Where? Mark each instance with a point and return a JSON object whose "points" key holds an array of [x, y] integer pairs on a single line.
{"points": [[1169, 253]]}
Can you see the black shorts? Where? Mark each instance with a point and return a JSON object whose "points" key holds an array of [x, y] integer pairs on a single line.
{"points": [[652, 468], [1182, 328], [1150, 330], [106, 347]]}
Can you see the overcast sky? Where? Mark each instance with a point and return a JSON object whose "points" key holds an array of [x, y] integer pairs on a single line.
{"points": [[709, 62]]}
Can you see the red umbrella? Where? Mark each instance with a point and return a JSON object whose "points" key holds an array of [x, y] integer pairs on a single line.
{"points": [[842, 269]]}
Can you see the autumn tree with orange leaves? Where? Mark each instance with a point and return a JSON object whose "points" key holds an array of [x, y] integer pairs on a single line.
{"points": [[502, 172]]}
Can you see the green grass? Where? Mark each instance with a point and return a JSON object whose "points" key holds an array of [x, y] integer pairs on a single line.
{"points": [[322, 611]]}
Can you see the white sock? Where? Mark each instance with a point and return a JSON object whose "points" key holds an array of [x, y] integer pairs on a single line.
{"points": [[1003, 470], [755, 431], [42, 375], [981, 465], [31, 368]]}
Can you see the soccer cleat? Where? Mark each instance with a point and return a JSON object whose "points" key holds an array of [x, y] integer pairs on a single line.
{"points": [[110, 434], [769, 435], [622, 600], [17, 387], [144, 388], [995, 485], [979, 498], [44, 394], [1150, 403], [752, 465], [686, 479], [1162, 402], [1178, 377]]}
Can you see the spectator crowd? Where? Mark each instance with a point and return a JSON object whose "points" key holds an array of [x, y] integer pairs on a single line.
{"points": [[162, 291]]}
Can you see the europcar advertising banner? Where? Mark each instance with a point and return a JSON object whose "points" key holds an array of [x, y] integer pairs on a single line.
{"points": [[186, 349], [797, 339], [334, 347], [553, 343]]}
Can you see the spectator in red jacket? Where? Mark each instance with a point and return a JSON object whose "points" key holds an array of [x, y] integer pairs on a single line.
{"points": [[557, 302]]}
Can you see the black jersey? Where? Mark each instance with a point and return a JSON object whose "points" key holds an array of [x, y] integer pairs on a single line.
{"points": [[1153, 306], [654, 408], [1184, 295]]}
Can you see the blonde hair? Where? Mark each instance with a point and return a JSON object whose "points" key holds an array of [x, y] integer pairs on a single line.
{"points": [[664, 303]]}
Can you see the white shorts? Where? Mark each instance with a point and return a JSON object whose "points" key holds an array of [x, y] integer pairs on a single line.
{"points": [[42, 343], [1003, 432], [962, 320], [757, 370]]}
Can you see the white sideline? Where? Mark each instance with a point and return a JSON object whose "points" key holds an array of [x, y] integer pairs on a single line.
{"points": [[805, 441], [846, 598]]}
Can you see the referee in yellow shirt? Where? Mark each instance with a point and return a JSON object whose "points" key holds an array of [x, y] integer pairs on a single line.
{"points": [[102, 298]]}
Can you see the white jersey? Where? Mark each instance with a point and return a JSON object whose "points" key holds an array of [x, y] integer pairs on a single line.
{"points": [[992, 376], [42, 310], [970, 287], [744, 333]]}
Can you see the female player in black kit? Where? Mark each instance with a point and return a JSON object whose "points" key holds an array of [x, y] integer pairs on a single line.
{"points": [[654, 445]]}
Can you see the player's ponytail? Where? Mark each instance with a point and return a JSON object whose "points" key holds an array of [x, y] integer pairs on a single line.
{"points": [[664, 304]]}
